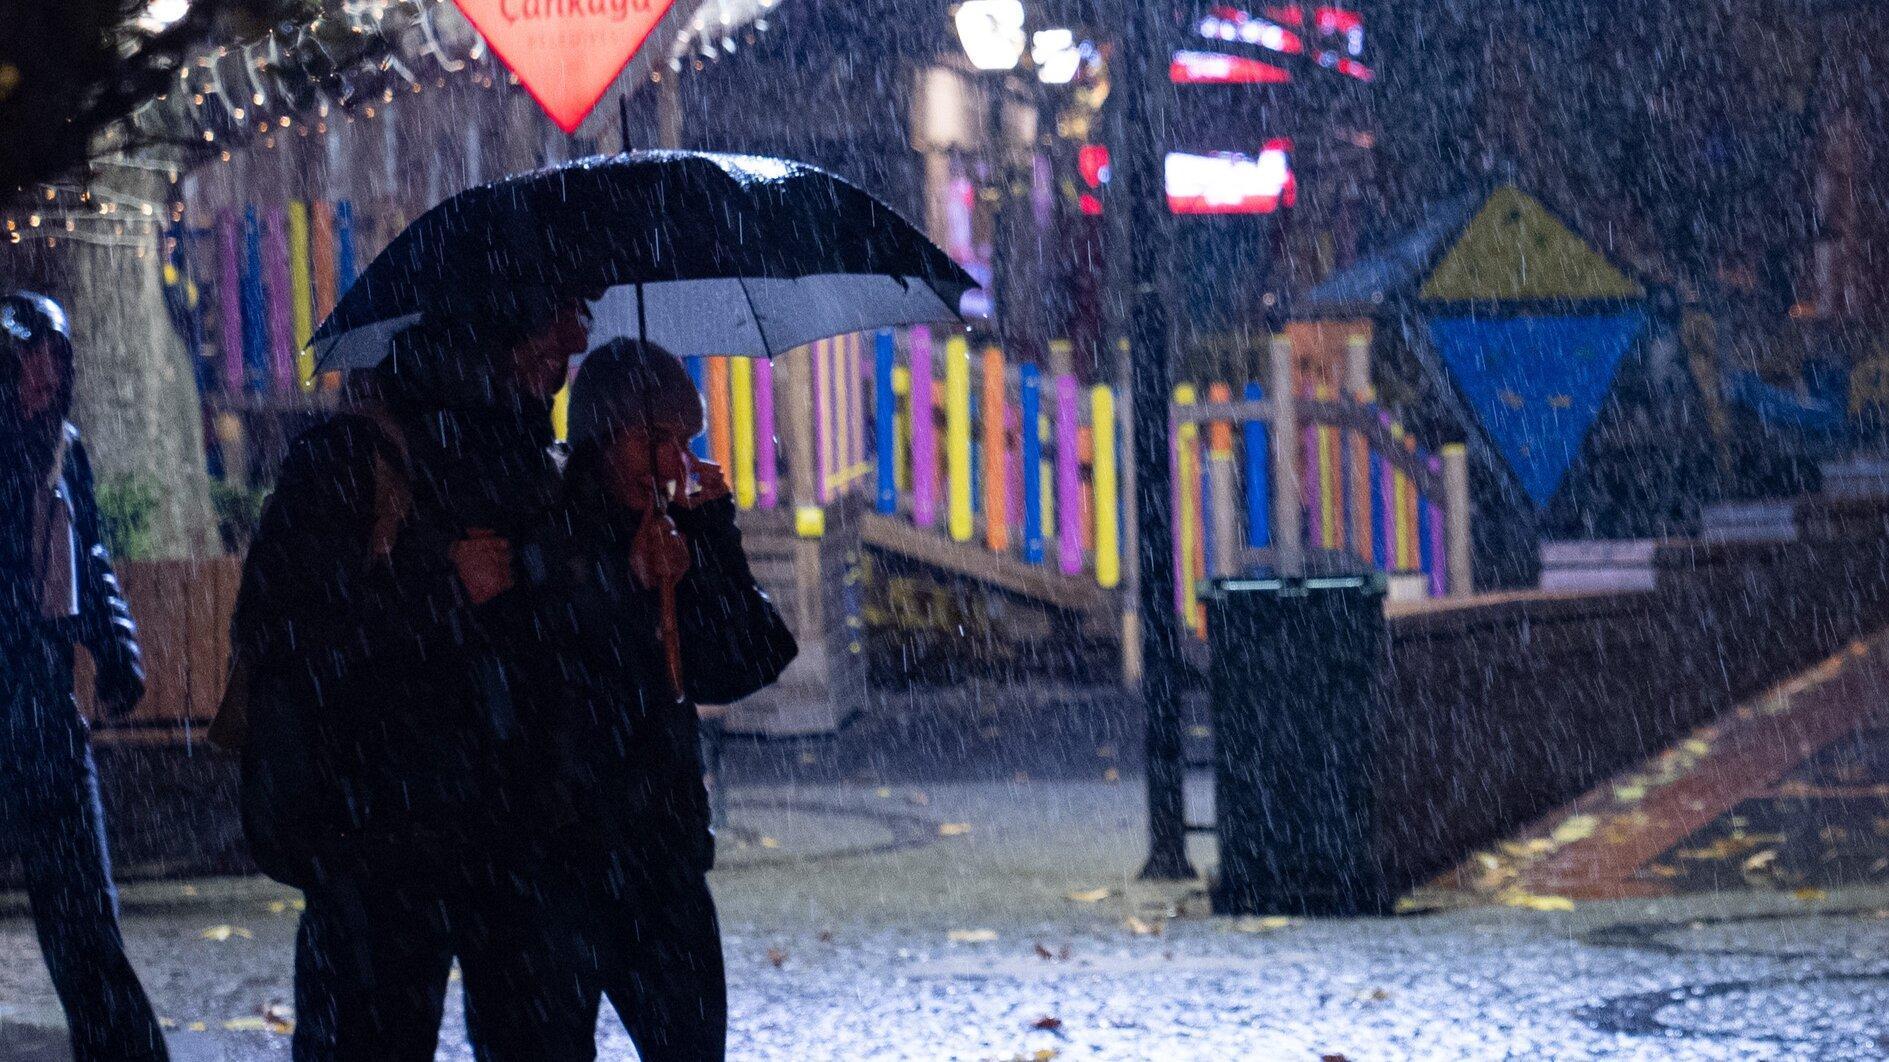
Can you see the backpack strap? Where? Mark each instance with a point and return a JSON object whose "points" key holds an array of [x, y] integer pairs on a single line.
{"points": [[393, 477]]}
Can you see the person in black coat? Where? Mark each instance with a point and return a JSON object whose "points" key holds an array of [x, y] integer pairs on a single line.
{"points": [[666, 612], [390, 754], [58, 590]]}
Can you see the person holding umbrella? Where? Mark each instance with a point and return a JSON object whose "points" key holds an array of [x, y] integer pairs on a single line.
{"points": [[663, 611], [387, 725], [57, 589], [701, 253]]}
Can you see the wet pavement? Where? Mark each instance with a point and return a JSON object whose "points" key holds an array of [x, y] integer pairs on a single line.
{"points": [[965, 891], [999, 920]]}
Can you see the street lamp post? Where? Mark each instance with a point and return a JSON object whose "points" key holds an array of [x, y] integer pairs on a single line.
{"points": [[992, 35], [1147, 251]]}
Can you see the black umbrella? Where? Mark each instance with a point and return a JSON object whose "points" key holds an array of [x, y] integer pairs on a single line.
{"points": [[701, 253]]}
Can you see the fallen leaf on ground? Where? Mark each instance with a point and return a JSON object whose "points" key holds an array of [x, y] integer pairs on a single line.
{"points": [[278, 1017], [971, 936], [1111, 775], [825, 936], [1089, 895], [1761, 861], [1143, 928], [953, 829], [197, 1026], [1333, 1058], [1662, 870], [1533, 902], [1265, 924], [189, 890], [1047, 1023], [882, 792], [1575, 828], [769, 842], [776, 957], [1375, 995], [167, 1023], [255, 1024], [1728, 847], [222, 933], [1044, 953], [1810, 894]]}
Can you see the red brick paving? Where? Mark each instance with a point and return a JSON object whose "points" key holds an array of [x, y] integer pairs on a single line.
{"points": [[1751, 750]]}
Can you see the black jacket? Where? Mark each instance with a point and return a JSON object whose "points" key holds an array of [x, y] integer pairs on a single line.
{"points": [[386, 722], [629, 758], [103, 625]]}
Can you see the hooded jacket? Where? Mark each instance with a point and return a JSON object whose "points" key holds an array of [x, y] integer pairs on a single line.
{"points": [[386, 719]]}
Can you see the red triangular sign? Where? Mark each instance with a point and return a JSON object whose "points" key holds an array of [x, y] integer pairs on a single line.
{"points": [[565, 52]]}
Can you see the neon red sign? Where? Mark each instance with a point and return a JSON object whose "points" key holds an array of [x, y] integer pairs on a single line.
{"points": [[1214, 68], [565, 52], [1229, 183]]}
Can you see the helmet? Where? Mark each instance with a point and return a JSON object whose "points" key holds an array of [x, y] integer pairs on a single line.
{"points": [[27, 317]]}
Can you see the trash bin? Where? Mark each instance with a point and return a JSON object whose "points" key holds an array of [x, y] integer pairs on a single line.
{"points": [[1296, 684]]}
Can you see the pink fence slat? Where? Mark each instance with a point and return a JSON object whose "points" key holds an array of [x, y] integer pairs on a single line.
{"points": [[766, 455], [856, 377], [924, 433], [1068, 479], [817, 352]]}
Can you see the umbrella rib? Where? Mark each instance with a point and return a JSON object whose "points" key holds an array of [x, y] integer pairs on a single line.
{"points": [[767, 348]]}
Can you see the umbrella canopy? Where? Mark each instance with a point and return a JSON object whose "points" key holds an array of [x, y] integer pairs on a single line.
{"points": [[702, 253]]}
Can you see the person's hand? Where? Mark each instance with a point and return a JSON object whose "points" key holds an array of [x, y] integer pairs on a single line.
{"points": [[484, 563], [710, 484], [672, 469], [659, 555]]}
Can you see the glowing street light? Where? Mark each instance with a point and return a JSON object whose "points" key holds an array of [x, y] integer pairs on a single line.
{"points": [[160, 15], [1056, 55], [991, 32]]}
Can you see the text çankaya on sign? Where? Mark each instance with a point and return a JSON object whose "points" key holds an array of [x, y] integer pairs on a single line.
{"points": [[566, 53], [616, 10]]}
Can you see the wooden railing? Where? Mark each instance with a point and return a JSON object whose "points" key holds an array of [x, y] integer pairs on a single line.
{"points": [[971, 446]]}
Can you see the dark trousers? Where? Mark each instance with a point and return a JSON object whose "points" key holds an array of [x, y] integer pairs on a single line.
{"points": [[656, 948], [374, 954], [51, 819]]}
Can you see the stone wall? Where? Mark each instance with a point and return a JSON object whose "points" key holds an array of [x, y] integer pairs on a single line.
{"points": [[1500, 708]]}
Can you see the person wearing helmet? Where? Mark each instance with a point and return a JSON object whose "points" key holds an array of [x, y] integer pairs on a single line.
{"points": [[58, 590]]}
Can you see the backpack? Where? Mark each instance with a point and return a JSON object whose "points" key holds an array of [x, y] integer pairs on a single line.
{"points": [[282, 804], [393, 501]]}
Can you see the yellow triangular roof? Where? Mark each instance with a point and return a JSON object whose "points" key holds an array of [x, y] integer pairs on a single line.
{"points": [[1514, 250]]}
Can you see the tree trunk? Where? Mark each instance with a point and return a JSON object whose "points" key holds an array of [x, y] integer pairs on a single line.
{"points": [[136, 395]]}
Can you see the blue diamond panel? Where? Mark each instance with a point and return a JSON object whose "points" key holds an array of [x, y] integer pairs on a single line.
{"points": [[1536, 382]]}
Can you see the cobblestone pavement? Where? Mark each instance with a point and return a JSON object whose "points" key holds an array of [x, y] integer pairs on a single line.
{"points": [[953, 879], [999, 920]]}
